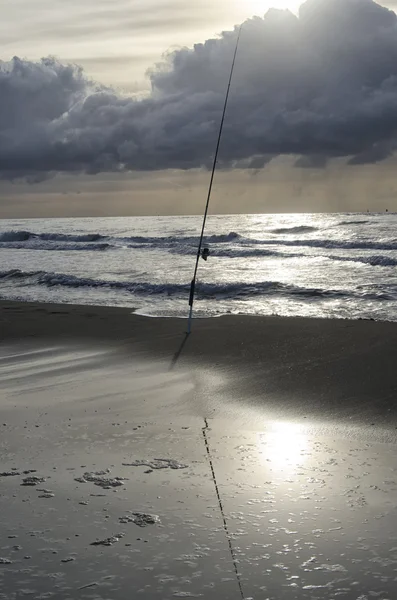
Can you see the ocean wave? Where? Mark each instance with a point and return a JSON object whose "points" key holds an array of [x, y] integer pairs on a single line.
{"points": [[15, 236], [232, 290], [188, 244], [23, 236], [49, 246], [237, 252], [332, 244], [373, 261], [135, 241], [63, 237], [222, 238], [255, 252], [353, 222], [231, 244], [298, 229], [247, 253], [243, 242], [226, 238]]}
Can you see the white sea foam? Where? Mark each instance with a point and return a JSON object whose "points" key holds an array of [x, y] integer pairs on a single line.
{"points": [[309, 265]]}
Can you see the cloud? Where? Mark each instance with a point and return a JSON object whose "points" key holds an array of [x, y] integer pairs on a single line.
{"points": [[83, 31], [315, 161], [320, 84]]}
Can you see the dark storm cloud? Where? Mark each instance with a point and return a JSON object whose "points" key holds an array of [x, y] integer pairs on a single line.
{"points": [[315, 161], [320, 85]]}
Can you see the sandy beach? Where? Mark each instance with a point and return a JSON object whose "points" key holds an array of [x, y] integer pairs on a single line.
{"points": [[254, 459], [239, 156]]}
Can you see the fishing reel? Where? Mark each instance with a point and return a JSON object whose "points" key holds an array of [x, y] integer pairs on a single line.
{"points": [[205, 254]]}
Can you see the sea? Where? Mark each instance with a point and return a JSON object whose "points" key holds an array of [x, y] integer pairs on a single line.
{"points": [[310, 265]]}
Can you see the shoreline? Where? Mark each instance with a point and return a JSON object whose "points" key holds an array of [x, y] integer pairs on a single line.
{"points": [[328, 369]]}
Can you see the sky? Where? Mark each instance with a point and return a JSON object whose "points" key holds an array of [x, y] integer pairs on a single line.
{"points": [[112, 107]]}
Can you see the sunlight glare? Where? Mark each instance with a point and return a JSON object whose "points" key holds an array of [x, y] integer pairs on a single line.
{"points": [[284, 446]]}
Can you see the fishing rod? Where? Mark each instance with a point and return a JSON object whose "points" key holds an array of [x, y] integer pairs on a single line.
{"points": [[193, 283]]}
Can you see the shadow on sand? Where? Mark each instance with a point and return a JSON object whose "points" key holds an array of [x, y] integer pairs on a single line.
{"points": [[178, 353]]}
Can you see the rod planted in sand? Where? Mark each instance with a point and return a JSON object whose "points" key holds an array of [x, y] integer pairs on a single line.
{"points": [[193, 283]]}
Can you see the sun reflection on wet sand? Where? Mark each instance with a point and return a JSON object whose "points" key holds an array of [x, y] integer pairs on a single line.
{"points": [[284, 445]]}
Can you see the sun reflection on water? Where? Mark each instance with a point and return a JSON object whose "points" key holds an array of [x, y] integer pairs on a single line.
{"points": [[283, 446]]}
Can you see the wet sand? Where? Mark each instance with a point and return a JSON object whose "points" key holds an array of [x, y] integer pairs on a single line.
{"points": [[325, 369], [255, 459]]}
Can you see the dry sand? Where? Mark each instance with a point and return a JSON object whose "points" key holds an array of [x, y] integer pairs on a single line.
{"points": [[258, 454]]}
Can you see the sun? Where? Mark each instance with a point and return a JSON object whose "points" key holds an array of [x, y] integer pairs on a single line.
{"points": [[260, 7]]}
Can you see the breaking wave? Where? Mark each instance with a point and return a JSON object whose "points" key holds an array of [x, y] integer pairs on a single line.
{"points": [[234, 252], [373, 261], [231, 245], [49, 246], [333, 244], [24, 236], [353, 222], [299, 229], [234, 290], [240, 242], [60, 241], [171, 241]]}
